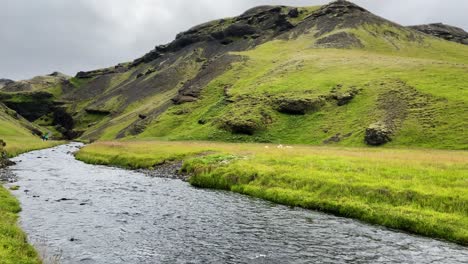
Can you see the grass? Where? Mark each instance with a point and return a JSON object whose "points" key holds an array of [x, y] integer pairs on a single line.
{"points": [[418, 191], [14, 248]]}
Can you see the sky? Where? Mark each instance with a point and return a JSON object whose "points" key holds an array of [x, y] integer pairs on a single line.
{"points": [[41, 36]]}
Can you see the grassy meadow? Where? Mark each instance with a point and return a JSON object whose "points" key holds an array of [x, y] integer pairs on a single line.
{"points": [[418, 191]]}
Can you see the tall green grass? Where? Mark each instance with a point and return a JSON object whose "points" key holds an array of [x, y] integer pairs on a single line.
{"points": [[419, 191], [14, 248]]}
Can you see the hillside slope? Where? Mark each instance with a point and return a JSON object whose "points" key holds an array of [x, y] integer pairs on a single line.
{"points": [[335, 74]]}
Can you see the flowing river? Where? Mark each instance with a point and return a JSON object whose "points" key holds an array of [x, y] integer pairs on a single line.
{"points": [[82, 213]]}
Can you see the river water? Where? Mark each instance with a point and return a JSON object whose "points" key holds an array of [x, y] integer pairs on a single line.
{"points": [[82, 213]]}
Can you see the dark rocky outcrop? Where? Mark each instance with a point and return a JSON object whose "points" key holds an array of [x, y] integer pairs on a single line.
{"points": [[343, 97], [338, 14], [97, 111], [378, 134], [443, 31], [5, 82], [298, 106], [120, 68], [29, 105], [266, 21]]}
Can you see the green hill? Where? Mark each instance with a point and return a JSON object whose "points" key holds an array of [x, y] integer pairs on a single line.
{"points": [[334, 75]]}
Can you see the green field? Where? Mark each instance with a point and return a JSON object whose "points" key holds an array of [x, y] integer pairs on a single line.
{"points": [[418, 191]]}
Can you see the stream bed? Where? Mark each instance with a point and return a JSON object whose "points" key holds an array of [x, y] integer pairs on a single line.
{"points": [[80, 213]]}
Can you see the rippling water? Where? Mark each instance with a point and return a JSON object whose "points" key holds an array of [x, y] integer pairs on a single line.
{"points": [[96, 214]]}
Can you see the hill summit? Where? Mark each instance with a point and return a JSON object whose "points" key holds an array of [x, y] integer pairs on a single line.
{"points": [[332, 74]]}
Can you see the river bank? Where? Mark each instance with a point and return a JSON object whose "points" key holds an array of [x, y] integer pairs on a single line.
{"points": [[418, 191], [14, 247]]}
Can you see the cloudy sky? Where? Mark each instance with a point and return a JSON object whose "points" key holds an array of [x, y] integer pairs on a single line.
{"points": [[41, 36]]}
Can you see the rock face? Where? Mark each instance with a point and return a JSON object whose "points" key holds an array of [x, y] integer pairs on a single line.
{"points": [[378, 134], [265, 21], [90, 74], [340, 40], [443, 31], [5, 82]]}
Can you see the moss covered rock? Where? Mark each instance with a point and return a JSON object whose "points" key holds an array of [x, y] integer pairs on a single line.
{"points": [[4, 161], [378, 134], [298, 106]]}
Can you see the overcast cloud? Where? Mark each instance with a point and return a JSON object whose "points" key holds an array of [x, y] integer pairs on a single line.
{"points": [[41, 36]]}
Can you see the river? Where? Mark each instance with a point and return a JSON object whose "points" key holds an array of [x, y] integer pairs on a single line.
{"points": [[82, 213]]}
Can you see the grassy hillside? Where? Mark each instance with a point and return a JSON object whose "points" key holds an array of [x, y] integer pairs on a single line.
{"points": [[331, 78], [420, 88], [419, 191]]}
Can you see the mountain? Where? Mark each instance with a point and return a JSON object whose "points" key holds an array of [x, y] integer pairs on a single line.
{"points": [[444, 31], [334, 74]]}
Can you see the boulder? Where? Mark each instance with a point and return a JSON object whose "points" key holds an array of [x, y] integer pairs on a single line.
{"points": [[378, 134], [298, 106]]}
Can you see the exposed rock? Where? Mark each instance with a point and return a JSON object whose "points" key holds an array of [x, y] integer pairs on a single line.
{"points": [[293, 13], [235, 30], [298, 106], [338, 15], [120, 68], [31, 106], [97, 111], [378, 134], [340, 40], [5, 82], [443, 31], [337, 138], [266, 21], [59, 75], [343, 98], [150, 71]]}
